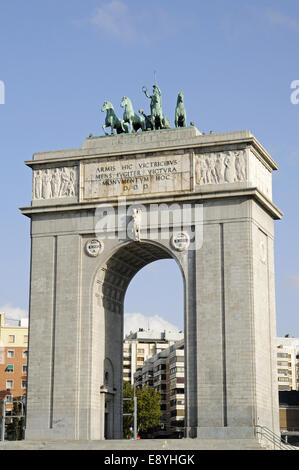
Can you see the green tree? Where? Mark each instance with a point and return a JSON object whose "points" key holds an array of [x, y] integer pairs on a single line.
{"points": [[148, 408]]}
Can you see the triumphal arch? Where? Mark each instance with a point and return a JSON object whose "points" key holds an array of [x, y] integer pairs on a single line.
{"points": [[99, 214]]}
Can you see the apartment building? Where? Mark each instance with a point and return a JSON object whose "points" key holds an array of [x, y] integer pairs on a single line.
{"points": [[176, 389], [13, 360], [287, 363], [165, 373], [139, 346]]}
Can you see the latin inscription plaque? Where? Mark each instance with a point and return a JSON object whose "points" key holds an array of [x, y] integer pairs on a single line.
{"points": [[136, 176]]}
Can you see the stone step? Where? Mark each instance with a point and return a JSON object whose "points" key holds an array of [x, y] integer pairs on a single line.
{"points": [[131, 445]]}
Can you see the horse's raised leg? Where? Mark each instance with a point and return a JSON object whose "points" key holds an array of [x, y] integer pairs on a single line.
{"points": [[125, 127], [128, 125], [104, 129]]}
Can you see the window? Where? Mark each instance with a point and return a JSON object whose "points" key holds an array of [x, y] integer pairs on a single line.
{"points": [[9, 399], [283, 387], [11, 353], [9, 368], [25, 353], [283, 371], [9, 384], [24, 383], [180, 359], [11, 338], [24, 368]]}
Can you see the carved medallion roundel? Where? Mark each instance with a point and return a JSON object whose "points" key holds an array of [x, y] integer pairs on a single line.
{"points": [[180, 241], [94, 247]]}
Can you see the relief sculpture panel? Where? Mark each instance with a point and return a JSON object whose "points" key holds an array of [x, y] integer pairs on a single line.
{"points": [[220, 168], [55, 183]]}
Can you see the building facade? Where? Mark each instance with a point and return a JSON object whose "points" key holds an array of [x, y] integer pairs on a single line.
{"points": [[143, 344], [13, 361], [287, 363], [289, 414], [165, 373]]}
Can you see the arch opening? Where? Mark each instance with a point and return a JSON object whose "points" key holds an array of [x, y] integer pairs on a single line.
{"points": [[111, 284], [154, 344]]}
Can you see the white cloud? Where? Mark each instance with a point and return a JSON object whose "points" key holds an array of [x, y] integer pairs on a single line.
{"points": [[142, 25], [13, 313], [114, 19], [276, 17], [293, 282], [134, 321]]}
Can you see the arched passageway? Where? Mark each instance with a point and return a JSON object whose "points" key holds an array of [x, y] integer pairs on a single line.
{"points": [[153, 353], [111, 283]]}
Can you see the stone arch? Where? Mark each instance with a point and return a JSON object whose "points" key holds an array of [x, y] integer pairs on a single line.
{"points": [[229, 311]]}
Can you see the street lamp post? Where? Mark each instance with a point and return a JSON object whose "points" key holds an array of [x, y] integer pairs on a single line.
{"points": [[134, 415]]}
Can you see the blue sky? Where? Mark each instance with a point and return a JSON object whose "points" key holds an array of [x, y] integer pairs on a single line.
{"points": [[234, 61]]}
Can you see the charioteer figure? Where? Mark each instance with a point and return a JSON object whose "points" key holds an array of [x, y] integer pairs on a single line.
{"points": [[158, 120]]}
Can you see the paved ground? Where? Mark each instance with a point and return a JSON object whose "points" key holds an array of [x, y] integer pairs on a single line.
{"points": [[146, 444]]}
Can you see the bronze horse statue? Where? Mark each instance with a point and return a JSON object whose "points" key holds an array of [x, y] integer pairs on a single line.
{"points": [[136, 122], [180, 112], [113, 121]]}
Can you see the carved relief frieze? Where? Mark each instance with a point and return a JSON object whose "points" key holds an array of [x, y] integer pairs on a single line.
{"points": [[53, 183], [220, 168]]}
